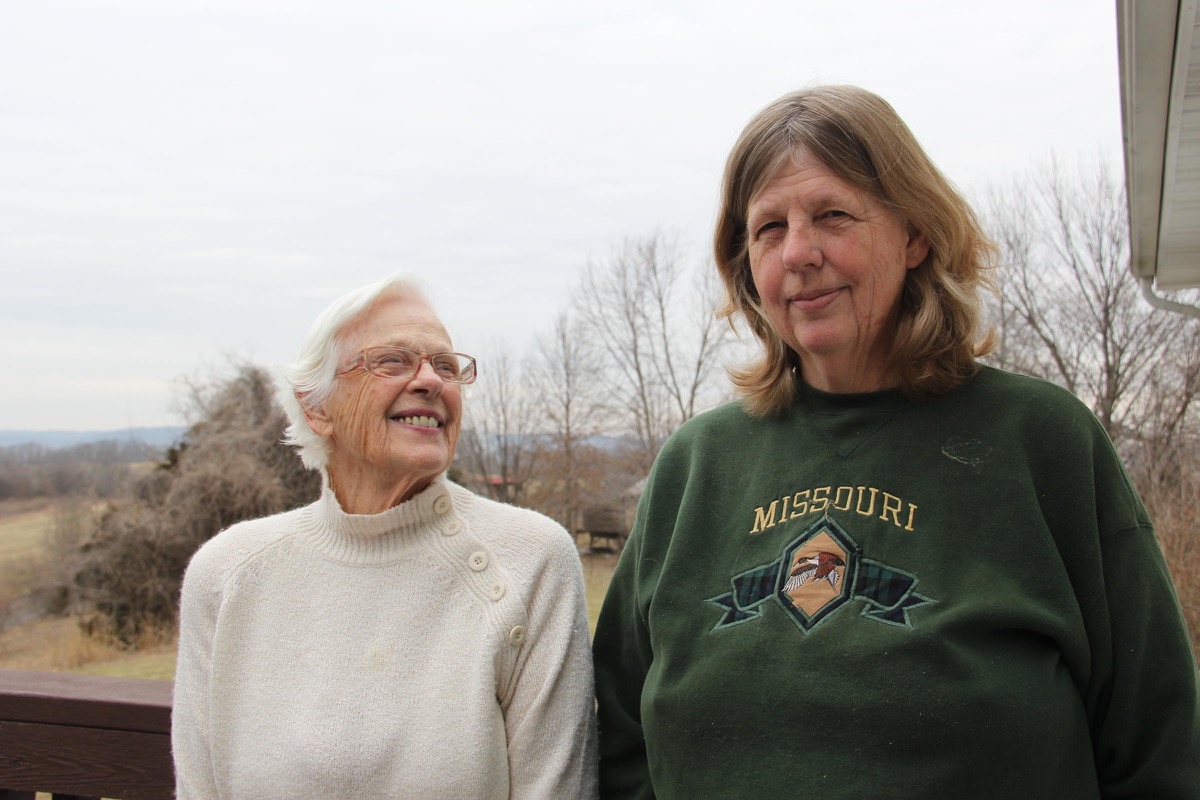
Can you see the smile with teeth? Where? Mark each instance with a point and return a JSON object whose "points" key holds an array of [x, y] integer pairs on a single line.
{"points": [[418, 420]]}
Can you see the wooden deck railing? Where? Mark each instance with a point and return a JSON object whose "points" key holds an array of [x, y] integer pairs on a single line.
{"points": [[82, 736]]}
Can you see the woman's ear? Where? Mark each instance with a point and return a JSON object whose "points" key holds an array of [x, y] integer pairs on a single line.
{"points": [[317, 418], [917, 248]]}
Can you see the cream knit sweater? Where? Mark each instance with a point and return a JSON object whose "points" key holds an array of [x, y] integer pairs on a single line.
{"points": [[436, 650]]}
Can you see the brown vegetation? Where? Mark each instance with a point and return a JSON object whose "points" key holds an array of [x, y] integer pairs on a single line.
{"points": [[231, 467], [1175, 513]]}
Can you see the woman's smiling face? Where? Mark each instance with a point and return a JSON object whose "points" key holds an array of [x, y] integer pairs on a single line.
{"points": [[388, 430], [829, 261]]}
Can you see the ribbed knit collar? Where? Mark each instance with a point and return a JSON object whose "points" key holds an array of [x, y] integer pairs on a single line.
{"points": [[374, 538], [815, 401]]}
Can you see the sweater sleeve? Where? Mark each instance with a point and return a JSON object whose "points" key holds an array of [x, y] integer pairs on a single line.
{"points": [[622, 656], [1143, 698], [550, 714], [191, 728]]}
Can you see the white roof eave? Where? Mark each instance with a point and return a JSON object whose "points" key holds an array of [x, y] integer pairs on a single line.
{"points": [[1159, 52]]}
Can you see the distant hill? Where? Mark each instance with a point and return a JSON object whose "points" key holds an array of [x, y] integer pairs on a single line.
{"points": [[161, 437]]}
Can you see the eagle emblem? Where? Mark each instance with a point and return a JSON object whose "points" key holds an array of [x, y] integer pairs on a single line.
{"points": [[820, 567]]}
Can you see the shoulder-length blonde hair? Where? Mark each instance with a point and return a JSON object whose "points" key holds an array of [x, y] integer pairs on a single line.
{"points": [[859, 137]]}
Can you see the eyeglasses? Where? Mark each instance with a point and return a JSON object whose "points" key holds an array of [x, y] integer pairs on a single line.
{"points": [[400, 362]]}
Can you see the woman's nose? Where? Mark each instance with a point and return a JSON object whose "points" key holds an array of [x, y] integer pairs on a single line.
{"points": [[800, 248], [426, 378]]}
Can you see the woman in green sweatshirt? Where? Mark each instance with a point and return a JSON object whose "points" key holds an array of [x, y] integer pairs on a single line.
{"points": [[887, 571]]}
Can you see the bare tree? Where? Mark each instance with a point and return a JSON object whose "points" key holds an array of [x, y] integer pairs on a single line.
{"points": [[1169, 429], [1069, 308], [660, 343], [563, 373], [499, 448]]}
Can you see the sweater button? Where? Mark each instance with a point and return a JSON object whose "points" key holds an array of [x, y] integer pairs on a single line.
{"points": [[516, 637], [442, 504], [498, 590], [478, 561], [452, 527]]}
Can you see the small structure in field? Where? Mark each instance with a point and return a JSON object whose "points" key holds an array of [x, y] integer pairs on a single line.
{"points": [[606, 526]]}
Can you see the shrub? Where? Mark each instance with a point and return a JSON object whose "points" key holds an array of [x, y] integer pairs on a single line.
{"points": [[1174, 509], [231, 466]]}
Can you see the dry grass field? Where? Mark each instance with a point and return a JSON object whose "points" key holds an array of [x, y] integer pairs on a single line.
{"points": [[23, 525], [57, 643], [597, 572]]}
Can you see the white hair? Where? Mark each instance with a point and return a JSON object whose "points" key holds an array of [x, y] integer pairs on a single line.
{"points": [[308, 382]]}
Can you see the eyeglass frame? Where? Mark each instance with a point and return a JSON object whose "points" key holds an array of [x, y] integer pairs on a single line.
{"points": [[360, 362]]}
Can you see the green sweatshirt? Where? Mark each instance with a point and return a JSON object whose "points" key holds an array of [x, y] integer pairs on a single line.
{"points": [[867, 597]]}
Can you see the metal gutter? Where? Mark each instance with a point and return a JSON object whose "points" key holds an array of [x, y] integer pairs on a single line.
{"points": [[1167, 305]]}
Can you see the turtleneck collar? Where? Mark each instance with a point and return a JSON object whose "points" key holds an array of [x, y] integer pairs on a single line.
{"points": [[373, 538]]}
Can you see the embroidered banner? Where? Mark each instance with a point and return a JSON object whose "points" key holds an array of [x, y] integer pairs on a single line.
{"points": [[818, 573]]}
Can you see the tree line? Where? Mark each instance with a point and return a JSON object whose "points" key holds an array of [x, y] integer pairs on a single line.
{"points": [[100, 469]]}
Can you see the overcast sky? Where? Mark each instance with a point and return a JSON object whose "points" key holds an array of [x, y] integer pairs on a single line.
{"points": [[183, 180]]}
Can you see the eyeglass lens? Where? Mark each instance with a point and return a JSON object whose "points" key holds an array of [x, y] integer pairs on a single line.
{"points": [[398, 362]]}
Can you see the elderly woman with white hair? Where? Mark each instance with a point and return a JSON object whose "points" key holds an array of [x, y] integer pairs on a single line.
{"points": [[401, 636]]}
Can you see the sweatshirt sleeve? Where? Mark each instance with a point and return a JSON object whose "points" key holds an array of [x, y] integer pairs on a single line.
{"points": [[622, 656], [1143, 698], [550, 714], [191, 728]]}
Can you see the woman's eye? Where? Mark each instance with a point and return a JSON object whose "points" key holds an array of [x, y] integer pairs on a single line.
{"points": [[833, 214], [767, 227], [446, 366], [394, 360]]}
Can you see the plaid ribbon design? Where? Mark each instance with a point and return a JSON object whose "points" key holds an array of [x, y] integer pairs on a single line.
{"points": [[750, 590], [888, 593]]}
